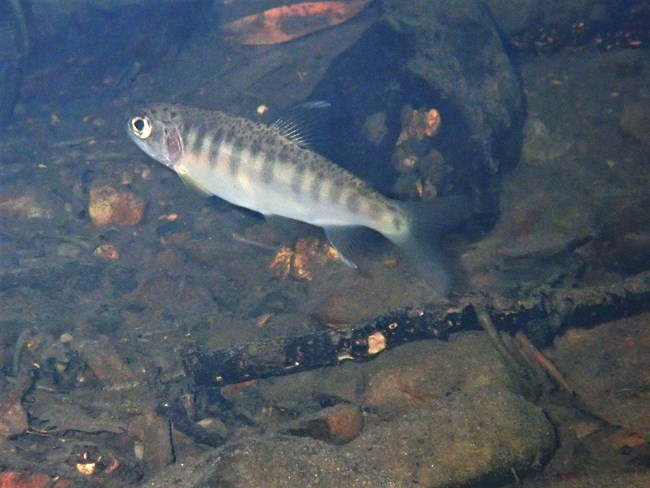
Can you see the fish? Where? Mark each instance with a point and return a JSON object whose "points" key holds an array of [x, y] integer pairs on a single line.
{"points": [[271, 169]]}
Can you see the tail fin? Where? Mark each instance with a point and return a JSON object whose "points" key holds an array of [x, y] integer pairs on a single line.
{"points": [[429, 222]]}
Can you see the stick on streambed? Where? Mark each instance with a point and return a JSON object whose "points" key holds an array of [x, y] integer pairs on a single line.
{"points": [[540, 316]]}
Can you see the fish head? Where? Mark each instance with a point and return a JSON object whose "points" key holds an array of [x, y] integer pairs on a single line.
{"points": [[156, 129]]}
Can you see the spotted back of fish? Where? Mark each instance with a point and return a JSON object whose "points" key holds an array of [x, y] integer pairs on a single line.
{"points": [[252, 165]]}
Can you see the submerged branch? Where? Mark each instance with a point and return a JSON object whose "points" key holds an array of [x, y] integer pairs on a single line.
{"points": [[540, 316]]}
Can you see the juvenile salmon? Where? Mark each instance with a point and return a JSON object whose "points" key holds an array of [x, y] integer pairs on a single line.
{"points": [[258, 167]]}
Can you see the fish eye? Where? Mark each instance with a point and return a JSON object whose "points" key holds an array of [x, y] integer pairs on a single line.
{"points": [[141, 126]]}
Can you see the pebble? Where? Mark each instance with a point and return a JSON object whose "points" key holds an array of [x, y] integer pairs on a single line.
{"points": [[110, 206], [339, 424], [24, 206]]}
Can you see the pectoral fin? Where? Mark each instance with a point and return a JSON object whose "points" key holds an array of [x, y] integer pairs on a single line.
{"points": [[193, 184]]}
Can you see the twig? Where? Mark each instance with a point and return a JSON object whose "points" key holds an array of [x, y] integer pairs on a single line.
{"points": [[542, 360], [541, 317]]}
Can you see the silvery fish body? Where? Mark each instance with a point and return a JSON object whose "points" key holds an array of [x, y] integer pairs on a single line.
{"points": [[254, 166], [267, 169]]}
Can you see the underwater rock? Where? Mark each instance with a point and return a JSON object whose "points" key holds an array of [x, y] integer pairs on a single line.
{"points": [[547, 26], [33, 480], [541, 146], [342, 308], [623, 243], [458, 53], [487, 434], [397, 385], [469, 436], [107, 251], [24, 206], [421, 165], [157, 440], [335, 425], [447, 416], [429, 55], [105, 362], [13, 417], [627, 253], [608, 367], [523, 14], [110, 206], [635, 121]]}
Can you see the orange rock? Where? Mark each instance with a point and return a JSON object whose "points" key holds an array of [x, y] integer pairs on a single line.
{"points": [[12, 479], [344, 423], [105, 362], [110, 206], [107, 251], [337, 425], [13, 417], [158, 450]]}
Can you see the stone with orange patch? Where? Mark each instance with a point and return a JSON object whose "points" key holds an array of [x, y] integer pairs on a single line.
{"points": [[339, 424], [110, 206]]}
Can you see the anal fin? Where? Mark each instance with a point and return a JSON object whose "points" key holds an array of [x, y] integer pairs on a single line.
{"points": [[354, 244]]}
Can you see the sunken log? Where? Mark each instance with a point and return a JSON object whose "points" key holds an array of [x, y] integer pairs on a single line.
{"points": [[541, 316]]}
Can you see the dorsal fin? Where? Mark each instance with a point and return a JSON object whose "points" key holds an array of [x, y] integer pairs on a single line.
{"points": [[306, 124]]}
